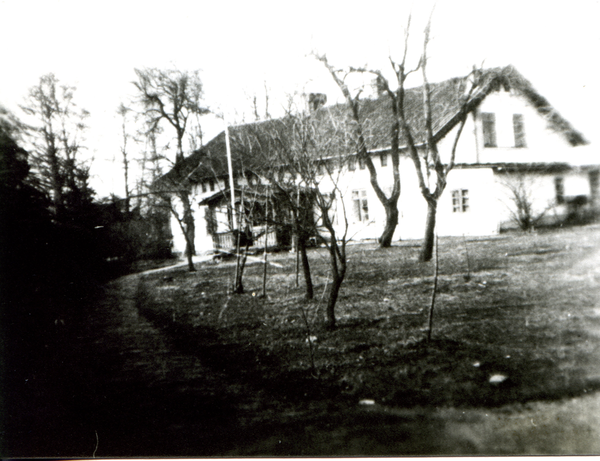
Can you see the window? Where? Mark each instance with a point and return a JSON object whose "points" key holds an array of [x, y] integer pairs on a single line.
{"points": [[519, 129], [203, 187], [361, 205], [460, 201], [211, 184], [383, 158], [559, 188], [352, 163], [321, 168], [489, 129], [361, 163]]}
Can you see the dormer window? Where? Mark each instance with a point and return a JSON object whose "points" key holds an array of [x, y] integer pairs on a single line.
{"points": [[519, 129], [383, 158], [489, 129], [352, 163], [321, 168]]}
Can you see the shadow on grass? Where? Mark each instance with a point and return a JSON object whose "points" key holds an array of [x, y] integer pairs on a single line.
{"points": [[244, 363], [443, 372]]}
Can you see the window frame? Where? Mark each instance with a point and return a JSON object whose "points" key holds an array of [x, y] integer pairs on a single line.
{"points": [[519, 131], [352, 164], [488, 125], [460, 201], [321, 168], [360, 206], [383, 158], [559, 189]]}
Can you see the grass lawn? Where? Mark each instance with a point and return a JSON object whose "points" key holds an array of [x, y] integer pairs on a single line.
{"points": [[515, 348]]}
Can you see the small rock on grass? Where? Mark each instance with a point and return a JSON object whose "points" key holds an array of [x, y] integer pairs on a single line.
{"points": [[497, 378]]}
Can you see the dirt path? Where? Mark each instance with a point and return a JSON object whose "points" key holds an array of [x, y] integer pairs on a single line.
{"points": [[136, 392]]}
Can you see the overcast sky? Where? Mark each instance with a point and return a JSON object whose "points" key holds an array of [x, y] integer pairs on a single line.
{"points": [[240, 45]]}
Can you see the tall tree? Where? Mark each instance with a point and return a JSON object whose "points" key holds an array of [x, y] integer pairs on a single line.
{"points": [[172, 96], [390, 204], [432, 163], [24, 219], [430, 166], [123, 111], [303, 159], [56, 139]]}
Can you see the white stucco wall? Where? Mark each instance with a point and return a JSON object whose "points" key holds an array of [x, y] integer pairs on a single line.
{"points": [[478, 220], [543, 143]]}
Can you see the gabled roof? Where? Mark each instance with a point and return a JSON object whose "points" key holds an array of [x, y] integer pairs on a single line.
{"points": [[447, 98]]}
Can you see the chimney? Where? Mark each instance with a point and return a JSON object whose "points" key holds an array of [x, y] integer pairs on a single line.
{"points": [[316, 101]]}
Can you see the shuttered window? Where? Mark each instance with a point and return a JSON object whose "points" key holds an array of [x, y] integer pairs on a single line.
{"points": [[519, 129], [489, 129]]}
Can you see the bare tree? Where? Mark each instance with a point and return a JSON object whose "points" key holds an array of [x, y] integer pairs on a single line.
{"points": [[406, 124], [305, 160], [57, 143], [256, 106], [292, 203], [123, 111], [390, 204], [432, 163], [150, 166], [173, 96], [523, 211]]}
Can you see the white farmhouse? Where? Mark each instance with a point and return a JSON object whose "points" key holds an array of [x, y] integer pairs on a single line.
{"points": [[514, 146]]}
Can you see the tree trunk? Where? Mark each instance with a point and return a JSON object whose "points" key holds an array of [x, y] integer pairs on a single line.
{"points": [[188, 245], [334, 291], [306, 268], [338, 271], [189, 226], [429, 239], [190, 262], [391, 222], [239, 282]]}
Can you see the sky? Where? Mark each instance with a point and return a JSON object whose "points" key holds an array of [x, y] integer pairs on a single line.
{"points": [[242, 46]]}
